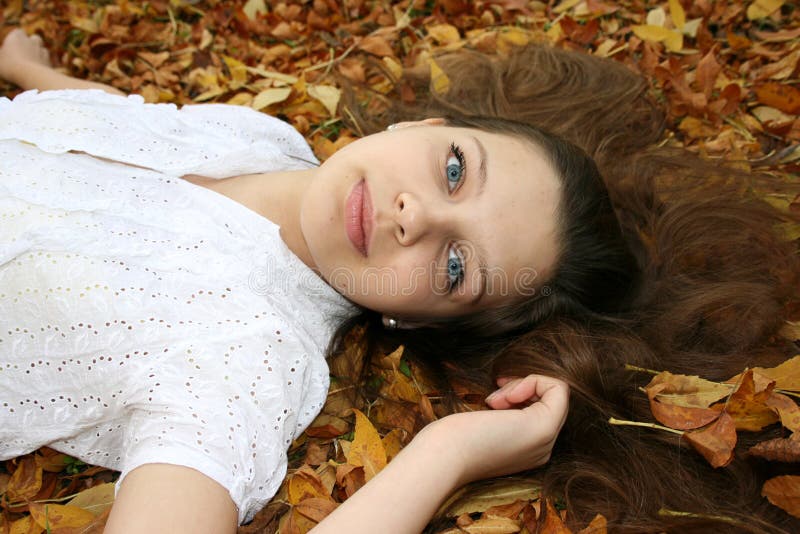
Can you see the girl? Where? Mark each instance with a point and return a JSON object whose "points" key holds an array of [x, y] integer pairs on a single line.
{"points": [[669, 276], [166, 309]]}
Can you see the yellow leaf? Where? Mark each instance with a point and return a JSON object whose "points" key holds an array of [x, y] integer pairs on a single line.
{"points": [[492, 525], [367, 449], [395, 68], [566, 5], [328, 95], [762, 8], [25, 525], [95, 499], [393, 443], [440, 83], [672, 40], [253, 8], [56, 516], [238, 72], [678, 15], [240, 99], [270, 96], [515, 37], [444, 33], [500, 492], [555, 32], [26, 480], [272, 75], [305, 484]]}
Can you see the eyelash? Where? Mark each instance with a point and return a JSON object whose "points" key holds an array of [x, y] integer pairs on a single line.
{"points": [[456, 152]]}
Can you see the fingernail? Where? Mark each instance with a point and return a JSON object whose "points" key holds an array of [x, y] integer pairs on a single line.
{"points": [[492, 395]]}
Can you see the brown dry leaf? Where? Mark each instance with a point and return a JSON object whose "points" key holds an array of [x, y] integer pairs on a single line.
{"points": [[706, 73], [782, 96], [444, 34], [715, 441], [787, 409], [697, 129], [96, 499], [510, 510], [688, 390], [376, 45], [26, 481], [678, 417], [328, 426], [493, 525], [500, 493], [598, 525], [552, 521], [778, 449], [784, 492], [367, 449], [350, 477], [316, 508], [61, 519]]}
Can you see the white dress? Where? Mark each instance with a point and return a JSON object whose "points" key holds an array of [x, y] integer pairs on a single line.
{"points": [[144, 318]]}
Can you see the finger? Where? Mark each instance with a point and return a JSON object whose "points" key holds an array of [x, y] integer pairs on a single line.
{"points": [[553, 402], [497, 400], [36, 37], [503, 380]]}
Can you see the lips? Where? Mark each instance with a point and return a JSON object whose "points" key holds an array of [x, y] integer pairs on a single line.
{"points": [[358, 217]]}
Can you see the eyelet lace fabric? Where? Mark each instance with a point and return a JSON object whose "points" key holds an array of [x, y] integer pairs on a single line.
{"points": [[145, 319]]}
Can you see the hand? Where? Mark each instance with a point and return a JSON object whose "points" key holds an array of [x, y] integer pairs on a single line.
{"points": [[517, 434], [19, 49]]}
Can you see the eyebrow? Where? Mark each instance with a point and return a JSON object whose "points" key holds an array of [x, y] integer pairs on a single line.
{"points": [[481, 252]]}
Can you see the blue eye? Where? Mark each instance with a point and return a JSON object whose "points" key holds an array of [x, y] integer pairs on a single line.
{"points": [[455, 269], [455, 167]]}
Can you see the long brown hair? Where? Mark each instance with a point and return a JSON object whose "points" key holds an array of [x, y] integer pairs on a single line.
{"points": [[712, 282]]}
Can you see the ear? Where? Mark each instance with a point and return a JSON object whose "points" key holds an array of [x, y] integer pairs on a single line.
{"points": [[433, 121]]}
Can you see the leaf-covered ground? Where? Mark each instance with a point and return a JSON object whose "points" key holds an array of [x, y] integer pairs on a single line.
{"points": [[726, 71]]}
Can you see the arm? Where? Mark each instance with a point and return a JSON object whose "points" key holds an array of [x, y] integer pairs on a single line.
{"points": [[171, 499], [26, 63], [453, 451]]}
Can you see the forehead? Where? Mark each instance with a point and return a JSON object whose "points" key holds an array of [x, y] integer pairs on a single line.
{"points": [[518, 210]]}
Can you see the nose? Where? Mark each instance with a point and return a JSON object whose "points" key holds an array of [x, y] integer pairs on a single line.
{"points": [[414, 218]]}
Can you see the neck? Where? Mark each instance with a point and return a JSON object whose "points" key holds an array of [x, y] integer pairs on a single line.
{"points": [[278, 196]]}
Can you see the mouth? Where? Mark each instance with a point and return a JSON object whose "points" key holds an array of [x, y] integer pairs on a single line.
{"points": [[358, 217]]}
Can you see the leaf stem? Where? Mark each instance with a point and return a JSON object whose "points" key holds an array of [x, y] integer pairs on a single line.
{"points": [[621, 422], [629, 367], [674, 513]]}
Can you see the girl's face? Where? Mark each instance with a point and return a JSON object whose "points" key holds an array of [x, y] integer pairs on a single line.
{"points": [[453, 220]]}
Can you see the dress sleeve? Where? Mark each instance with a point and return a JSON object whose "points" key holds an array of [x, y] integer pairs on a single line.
{"points": [[215, 140], [229, 407]]}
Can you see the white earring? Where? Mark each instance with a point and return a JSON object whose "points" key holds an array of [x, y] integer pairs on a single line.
{"points": [[390, 323], [391, 127]]}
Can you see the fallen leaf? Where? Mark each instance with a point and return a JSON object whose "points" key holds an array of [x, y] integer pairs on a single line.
{"points": [[61, 519], [787, 409], [715, 441], [328, 95], [502, 492], [784, 492], [782, 96], [598, 525], [367, 449], [672, 40], [305, 484], [677, 13], [785, 375], [376, 45], [493, 525], [763, 8], [440, 83], [687, 390], [747, 405], [552, 521], [778, 449], [444, 34], [96, 499], [26, 481], [315, 508]]}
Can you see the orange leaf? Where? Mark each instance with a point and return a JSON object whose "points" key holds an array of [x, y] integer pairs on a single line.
{"points": [[327, 426], [784, 492], [706, 74], [747, 404], [781, 96], [715, 441], [376, 45], [787, 409], [367, 449], [598, 525], [678, 417], [305, 484], [61, 519], [552, 521], [26, 480], [687, 390]]}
